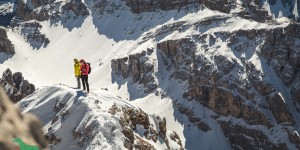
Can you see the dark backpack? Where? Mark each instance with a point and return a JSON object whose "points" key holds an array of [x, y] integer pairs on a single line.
{"points": [[90, 68]]}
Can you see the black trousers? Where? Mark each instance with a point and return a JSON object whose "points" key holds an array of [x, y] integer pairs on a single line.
{"points": [[85, 82]]}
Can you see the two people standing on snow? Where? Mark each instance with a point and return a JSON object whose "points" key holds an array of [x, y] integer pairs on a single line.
{"points": [[81, 69]]}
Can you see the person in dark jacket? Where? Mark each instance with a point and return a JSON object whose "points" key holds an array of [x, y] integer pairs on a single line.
{"points": [[84, 68]]}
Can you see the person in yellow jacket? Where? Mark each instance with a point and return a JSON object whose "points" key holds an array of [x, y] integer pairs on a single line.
{"points": [[77, 72]]}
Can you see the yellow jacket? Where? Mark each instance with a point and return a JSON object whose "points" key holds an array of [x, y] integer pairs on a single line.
{"points": [[77, 69]]}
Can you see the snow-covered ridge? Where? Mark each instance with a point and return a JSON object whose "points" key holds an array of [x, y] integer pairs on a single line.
{"points": [[76, 120]]}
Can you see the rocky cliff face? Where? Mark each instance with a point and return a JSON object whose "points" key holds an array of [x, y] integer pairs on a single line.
{"points": [[5, 44], [32, 34], [6, 12], [251, 9], [42, 10], [138, 67], [240, 85], [15, 85], [218, 86]]}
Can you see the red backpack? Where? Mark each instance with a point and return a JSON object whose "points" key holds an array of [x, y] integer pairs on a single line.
{"points": [[90, 68]]}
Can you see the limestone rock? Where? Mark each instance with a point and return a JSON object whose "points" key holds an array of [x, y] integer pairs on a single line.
{"points": [[15, 85], [120, 67], [23, 11], [133, 118], [145, 6], [225, 103], [180, 57], [295, 91], [5, 44], [33, 34], [279, 108], [241, 137], [193, 118], [52, 139], [77, 7], [129, 134], [252, 8], [294, 138], [142, 144], [137, 66], [32, 9], [17, 79]]}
